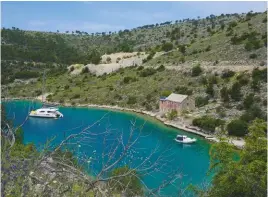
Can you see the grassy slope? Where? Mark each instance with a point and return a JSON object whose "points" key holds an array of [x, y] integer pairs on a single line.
{"points": [[107, 90]]}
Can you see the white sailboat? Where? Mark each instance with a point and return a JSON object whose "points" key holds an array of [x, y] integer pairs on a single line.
{"points": [[46, 111]]}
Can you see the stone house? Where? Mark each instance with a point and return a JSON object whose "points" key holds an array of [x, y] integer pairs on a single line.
{"points": [[179, 102]]}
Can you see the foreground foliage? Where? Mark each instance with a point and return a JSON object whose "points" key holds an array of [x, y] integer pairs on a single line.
{"points": [[240, 173]]}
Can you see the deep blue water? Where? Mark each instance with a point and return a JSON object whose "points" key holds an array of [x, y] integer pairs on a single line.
{"points": [[192, 160]]}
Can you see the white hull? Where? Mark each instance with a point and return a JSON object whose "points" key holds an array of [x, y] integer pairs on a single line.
{"points": [[186, 142], [42, 116]]}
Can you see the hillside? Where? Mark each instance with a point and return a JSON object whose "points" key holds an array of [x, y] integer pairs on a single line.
{"points": [[220, 61], [209, 39]]}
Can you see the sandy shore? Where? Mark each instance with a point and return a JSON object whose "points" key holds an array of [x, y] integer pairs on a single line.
{"points": [[175, 124]]}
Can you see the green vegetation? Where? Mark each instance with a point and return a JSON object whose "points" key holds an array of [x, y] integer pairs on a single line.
{"points": [[237, 128], [201, 101], [235, 92], [132, 181], [172, 114], [248, 171], [208, 123], [196, 70]]}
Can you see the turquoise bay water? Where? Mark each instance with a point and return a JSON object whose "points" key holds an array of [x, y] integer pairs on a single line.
{"points": [[192, 160]]}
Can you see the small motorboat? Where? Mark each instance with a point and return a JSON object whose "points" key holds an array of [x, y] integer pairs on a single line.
{"points": [[184, 139]]}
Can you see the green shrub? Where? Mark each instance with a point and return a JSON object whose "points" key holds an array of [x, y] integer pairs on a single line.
{"points": [[167, 46], [201, 101], [71, 69], [235, 92], [85, 70], [259, 75], [208, 48], [210, 90], [127, 79], [248, 101], [26, 74], [252, 113], [108, 59], [172, 114], [75, 96], [161, 68], [140, 68], [165, 93], [147, 72], [132, 100], [196, 70], [134, 186], [208, 123], [255, 85], [183, 90], [37, 92], [242, 79], [253, 56], [227, 74], [237, 128]]}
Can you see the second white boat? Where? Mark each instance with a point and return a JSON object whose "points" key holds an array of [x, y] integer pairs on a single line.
{"points": [[184, 139]]}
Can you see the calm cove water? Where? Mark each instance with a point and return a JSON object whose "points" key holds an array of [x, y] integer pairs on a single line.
{"points": [[193, 160]]}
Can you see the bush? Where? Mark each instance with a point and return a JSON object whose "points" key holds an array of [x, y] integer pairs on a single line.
{"points": [[76, 96], [161, 68], [85, 70], [150, 56], [208, 123], [237, 128], [147, 72], [259, 75], [242, 79], [140, 68], [196, 70], [252, 113], [134, 186], [71, 69], [183, 90], [165, 93], [127, 79], [201, 101], [38, 92], [235, 92], [208, 48], [255, 85], [172, 114], [132, 100], [118, 59], [108, 59], [66, 87], [167, 46], [26, 74], [210, 90], [248, 101], [227, 74], [253, 56]]}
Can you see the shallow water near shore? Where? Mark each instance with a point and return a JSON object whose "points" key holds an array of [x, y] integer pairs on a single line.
{"points": [[192, 160]]}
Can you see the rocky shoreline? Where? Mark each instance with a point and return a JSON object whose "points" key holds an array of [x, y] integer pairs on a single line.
{"points": [[174, 124]]}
